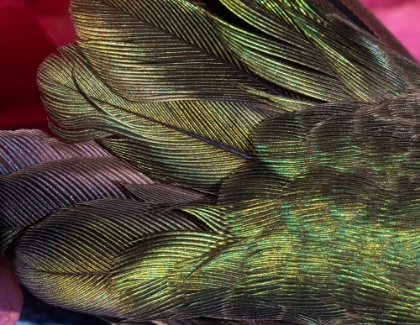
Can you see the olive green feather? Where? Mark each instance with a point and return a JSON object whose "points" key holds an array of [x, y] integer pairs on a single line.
{"points": [[281, 139]]}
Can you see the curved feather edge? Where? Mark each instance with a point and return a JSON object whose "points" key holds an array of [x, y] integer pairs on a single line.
{"points": [[316, 220], [100, 87], [24, 148], [84, 254], [42, 175]]}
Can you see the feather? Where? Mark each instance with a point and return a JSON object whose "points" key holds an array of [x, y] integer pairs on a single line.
{"points": [[139, 82], [356, 13], [99, 244], [281, 142], [24, 148], [43, 175], [130, 119], [375, 139]]}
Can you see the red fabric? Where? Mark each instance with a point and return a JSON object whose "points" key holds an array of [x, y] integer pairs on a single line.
{"points": [[29, 31]]}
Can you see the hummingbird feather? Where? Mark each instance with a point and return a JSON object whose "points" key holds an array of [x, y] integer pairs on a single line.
{"points": [[24, 148], [40, 175], [281, 142]]}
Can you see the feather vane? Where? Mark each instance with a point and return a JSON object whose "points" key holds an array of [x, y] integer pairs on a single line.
{"points": [[281, 142]]}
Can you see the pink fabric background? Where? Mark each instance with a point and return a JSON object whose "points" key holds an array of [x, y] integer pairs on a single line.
{"points": [[402, 17], [32, 29]]}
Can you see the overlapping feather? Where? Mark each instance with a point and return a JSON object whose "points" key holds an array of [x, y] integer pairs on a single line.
{"points": [[40, 175], [284, 137]]}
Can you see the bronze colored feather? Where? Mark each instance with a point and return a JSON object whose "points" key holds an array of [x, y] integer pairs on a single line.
{"points": [[255, 163]]}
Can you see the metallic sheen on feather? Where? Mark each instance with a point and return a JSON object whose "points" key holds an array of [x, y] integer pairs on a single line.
{"points": [[250, 162]]}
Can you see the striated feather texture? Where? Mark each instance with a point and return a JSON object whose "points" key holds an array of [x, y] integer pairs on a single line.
{"points": [[40, 175], [248, 162]]}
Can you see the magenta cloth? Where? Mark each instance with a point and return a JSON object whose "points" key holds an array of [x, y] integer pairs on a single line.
{"points": [[402, 18], [10, 297], [29, 31]]}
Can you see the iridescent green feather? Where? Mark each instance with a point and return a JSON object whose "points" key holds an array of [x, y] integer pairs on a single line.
{"points": [[282, 138]]}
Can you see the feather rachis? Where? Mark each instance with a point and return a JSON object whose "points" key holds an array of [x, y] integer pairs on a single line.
{"points": [[284, 141]]}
